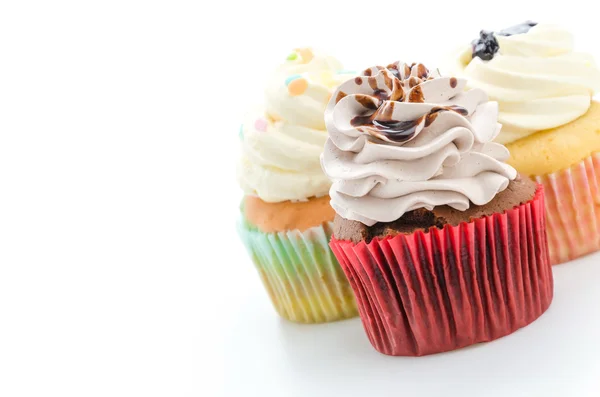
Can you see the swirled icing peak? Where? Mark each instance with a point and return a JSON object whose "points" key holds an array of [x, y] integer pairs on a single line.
{"points": [[283, 139], [533, 72], [402, 138]]}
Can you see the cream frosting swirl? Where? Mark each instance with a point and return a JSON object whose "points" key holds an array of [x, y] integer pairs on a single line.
{"points": [[536, 77], [282, 141], [401, 138]]}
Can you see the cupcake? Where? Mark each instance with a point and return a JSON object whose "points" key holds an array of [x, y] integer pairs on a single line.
{"points": [[286, 220], [443, 244], [550, 123]]}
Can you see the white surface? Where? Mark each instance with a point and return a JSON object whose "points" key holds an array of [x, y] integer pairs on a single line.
{"points": [[120, 272], [558, 355]]}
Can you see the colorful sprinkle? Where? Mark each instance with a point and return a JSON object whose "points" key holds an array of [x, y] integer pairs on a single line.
{"points": [[273, 118], [261, 125], [297, 87], [346, 72], [306, 54], [241, 133], [292, 78], [292, 57]]}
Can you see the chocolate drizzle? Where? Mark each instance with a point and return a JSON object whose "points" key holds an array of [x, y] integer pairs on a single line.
{"points": [[339, 96], [381, 124], [381, 95], [372, 82], [397, 131], [413, 82], [398, 82], [422, 71], [366, 101], [433, 113], [394, 69], [416, 95]]}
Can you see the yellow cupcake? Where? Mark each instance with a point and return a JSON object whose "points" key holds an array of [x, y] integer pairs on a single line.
{"points": [[550, 123], [559, 148]]}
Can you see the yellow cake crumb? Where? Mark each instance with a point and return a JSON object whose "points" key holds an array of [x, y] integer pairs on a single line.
{"points": [[553, 150]]}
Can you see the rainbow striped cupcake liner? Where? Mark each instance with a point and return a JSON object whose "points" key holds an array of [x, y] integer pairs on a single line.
{"points": [[573, 212], [300, 273]]}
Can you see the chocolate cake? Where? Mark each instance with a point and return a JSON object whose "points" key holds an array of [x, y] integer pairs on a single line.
{"points": [[518, 192]]}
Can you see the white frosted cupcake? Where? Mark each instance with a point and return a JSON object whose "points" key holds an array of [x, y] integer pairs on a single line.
{"points": [[549, 122], [286, 216]]}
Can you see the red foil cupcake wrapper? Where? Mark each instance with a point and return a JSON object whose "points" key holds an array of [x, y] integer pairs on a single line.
{"points": [[572, 200], [432, 292]]}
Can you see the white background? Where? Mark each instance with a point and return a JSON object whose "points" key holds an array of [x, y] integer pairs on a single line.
{"points": [[120, 271]]}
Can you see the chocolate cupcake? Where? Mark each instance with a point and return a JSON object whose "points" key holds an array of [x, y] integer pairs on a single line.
{"points": [[443, 244]]}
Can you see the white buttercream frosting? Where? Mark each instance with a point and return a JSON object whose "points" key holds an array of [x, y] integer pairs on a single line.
{"points": [[282, 141], [537, 78]]}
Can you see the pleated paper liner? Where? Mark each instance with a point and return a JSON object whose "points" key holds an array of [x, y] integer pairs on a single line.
{"points": [[301, 274], [432, 292], [573, 212]]}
